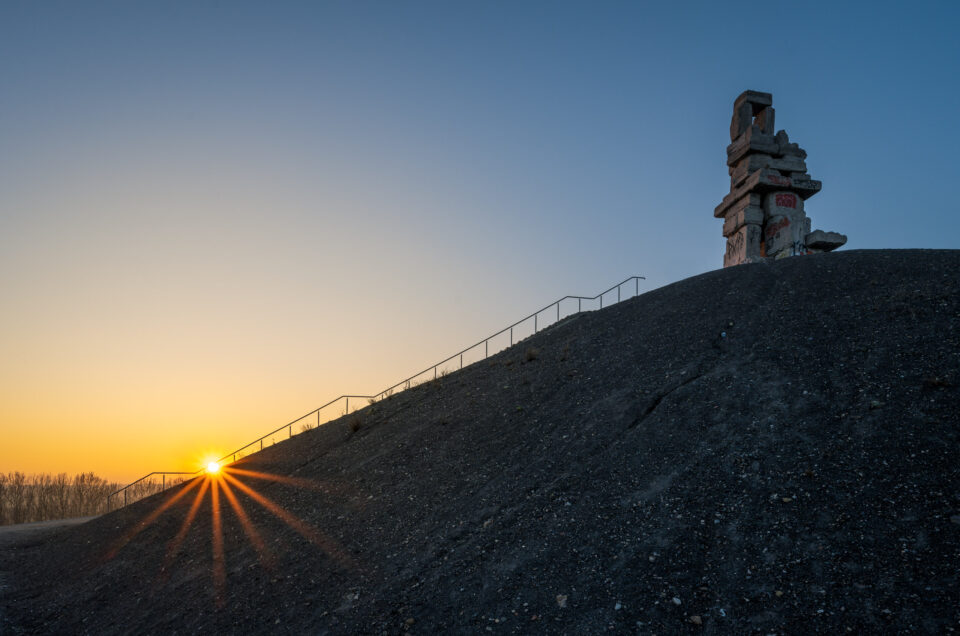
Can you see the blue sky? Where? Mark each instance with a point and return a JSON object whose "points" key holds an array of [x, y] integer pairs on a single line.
{"points": [[318, 198]]}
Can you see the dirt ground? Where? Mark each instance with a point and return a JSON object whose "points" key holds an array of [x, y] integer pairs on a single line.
{"points": [[17, 535], [766, 449]]}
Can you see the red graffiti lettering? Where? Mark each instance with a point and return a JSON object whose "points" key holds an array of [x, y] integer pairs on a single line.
{"points": [[786, 200], [777, 180], [773, 228]]}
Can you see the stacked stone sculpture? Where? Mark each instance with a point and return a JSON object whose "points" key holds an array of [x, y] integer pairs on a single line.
{"points": [[763, 215]]}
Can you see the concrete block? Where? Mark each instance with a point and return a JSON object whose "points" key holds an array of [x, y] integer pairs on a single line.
{"points": [[746, 198], [753, 162], [765, 120], [793, 150], [736, 219], [749, 164], [783, 234], [781, 204], [824, 241], [756, 99], [789, 163], [753, 140], [784, 147], [767, 180], [743, 246], [742, 119]]}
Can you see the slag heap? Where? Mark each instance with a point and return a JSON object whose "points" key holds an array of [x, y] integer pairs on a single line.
{"points": [[763, 215]]}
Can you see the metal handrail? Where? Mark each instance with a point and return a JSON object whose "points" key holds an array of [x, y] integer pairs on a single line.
{"points": [[163, 474], [407, 382]]}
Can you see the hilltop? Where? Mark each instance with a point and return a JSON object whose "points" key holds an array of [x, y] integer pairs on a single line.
{"points": [[768, 448]]}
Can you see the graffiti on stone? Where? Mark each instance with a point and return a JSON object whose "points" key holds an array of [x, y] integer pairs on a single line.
{"points": [[769, 172], [788, 200]]}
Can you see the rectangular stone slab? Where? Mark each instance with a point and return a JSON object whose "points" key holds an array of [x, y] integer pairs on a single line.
{"points": [[742, 119], [758, 99], [825, 241], [752, 163], [736, 219], [765, 119], [767, 180], [753, 140], [743, 246]]}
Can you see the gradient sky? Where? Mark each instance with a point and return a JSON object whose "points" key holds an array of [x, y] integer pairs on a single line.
{"points": [[215, 216]]}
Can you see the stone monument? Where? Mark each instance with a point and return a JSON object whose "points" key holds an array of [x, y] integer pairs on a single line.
{"points": [[763, 215]]}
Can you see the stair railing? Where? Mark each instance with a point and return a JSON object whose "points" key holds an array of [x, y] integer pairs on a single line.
{"points": [[313, 418]]}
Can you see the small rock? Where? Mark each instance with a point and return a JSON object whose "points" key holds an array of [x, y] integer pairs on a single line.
{"points": [[696, 620], [409, 622], [778, 593], [617, 606], [676, 600], [955, 519], [561, 600], [787, 499], [875, 404]]}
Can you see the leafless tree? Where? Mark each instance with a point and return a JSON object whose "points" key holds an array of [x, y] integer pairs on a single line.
{"points": [[3, 499], [61, 495], [25, 498], [17, 488]]}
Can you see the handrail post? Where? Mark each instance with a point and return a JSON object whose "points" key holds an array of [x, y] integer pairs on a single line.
{"points": [[408, 382]]}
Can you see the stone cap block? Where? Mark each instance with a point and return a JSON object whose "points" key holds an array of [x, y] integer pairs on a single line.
{"points": [[758, 100], [824, 241]]}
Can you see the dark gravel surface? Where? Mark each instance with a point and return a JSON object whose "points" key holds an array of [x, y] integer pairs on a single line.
{"points": [[771, 448]]}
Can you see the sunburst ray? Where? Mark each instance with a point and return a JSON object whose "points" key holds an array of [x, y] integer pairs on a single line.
{"points": [[331, 547]]}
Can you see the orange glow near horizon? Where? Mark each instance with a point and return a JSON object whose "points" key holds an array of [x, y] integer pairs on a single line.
{"points": [[85, 419]]}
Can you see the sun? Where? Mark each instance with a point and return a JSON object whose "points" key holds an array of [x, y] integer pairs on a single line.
{"points": [[213, 468]]}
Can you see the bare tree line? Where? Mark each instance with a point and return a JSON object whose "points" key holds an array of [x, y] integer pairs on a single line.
{"points": [[43, 497]]}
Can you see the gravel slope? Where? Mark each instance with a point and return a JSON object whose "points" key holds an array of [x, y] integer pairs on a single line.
{"points": [[770, 448]]}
